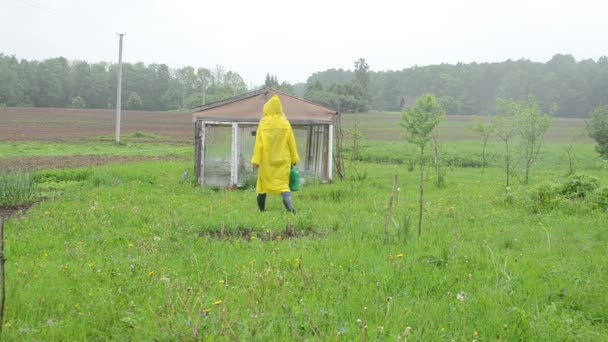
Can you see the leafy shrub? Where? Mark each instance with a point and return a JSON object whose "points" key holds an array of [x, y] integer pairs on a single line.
{"points": [[600, 197], [102, 178], [579, 185], [569, 194], [411, 164], [544, 194], [464, 161], [17, 189], [58, 176]]}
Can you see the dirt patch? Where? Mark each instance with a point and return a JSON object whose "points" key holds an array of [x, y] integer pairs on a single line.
{"points": [[249, 234], [7, 212], [42, 163]]}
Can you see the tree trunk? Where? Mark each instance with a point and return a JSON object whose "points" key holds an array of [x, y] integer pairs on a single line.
{"points": [[436, 156]]}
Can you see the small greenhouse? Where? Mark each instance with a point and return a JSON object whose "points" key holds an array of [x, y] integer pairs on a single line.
{"points": [[224, 137]]}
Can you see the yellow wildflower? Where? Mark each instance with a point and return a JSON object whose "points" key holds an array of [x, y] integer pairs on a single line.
{"points": [[217, 302]]}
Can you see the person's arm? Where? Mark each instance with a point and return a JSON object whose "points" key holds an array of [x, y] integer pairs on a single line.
{"points": [[293, 148], [258, 149]]}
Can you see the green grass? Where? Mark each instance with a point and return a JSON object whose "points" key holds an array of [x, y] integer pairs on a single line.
{"points": [[385, 126], [38, 149], [17, 189], [134, 252]]}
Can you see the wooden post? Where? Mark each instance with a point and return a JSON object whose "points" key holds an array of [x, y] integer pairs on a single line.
{"points": [[390, 209], [2, 280]]}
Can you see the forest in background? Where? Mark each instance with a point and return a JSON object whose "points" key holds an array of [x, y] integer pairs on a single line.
{"points": [[575, 87]]}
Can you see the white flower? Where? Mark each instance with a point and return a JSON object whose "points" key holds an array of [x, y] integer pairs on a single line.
{"points": [[462, 296]]}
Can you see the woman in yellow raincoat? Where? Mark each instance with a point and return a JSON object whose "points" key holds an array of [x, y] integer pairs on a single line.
{"points": [[274, 154]]}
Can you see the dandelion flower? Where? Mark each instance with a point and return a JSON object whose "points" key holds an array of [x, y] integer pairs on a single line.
{"points": [[221, 281], [399, 256]]}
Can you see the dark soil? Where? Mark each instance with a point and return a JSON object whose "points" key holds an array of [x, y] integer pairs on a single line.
{"points": [[42, 163]]}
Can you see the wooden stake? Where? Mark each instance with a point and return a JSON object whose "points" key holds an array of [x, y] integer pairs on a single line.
{"points": [[390, 209]]}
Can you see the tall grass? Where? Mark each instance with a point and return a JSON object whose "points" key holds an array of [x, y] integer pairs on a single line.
{"points": [[143, 255], [16, 189]]}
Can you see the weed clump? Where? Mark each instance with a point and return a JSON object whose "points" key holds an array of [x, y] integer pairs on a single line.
{"points": [[579, 189], [17, 189]]}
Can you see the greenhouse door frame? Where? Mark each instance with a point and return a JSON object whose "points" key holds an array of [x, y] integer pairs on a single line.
{"points": [[200, 142]]}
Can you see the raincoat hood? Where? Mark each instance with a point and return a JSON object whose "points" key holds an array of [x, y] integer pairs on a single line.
{"points": [[273, 107]]}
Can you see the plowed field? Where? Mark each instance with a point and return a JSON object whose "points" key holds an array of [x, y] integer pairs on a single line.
{"points": [[72, 125], [81, 125]]}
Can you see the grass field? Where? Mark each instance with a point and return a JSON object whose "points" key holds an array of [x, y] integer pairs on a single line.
{"points": [[384, 126], [135, 251]]}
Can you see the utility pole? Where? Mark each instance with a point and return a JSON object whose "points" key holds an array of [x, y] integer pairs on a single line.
{"points": [[119, 89]]}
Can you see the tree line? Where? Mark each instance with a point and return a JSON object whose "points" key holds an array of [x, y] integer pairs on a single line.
{"points": [[57, 82], [575, 88]]}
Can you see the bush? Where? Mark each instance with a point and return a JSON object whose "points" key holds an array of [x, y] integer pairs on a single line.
{"points": [[575, 190], [17, 189], [579, 185], [545, 196], [600, 197]]}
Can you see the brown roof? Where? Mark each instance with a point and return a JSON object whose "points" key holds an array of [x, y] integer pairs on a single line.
{"points": [[248, 107]]}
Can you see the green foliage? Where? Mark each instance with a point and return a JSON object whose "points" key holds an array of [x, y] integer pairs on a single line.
{"points": [[598, 130], [599, 197], [421, 120], [349, 96], [76, 175], [17, 189], [531, 126], [146, 256], [357, 140], [579, 185], [575, 87], [576, 189], [78, 102], [545, 195], [58, 83], [485, 132], [134, 102]]}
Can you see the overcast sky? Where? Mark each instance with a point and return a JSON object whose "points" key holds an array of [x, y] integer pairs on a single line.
{"points": [[294, 39]]}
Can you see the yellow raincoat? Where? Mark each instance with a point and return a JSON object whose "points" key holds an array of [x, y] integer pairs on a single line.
{"points": [[275, 149]]}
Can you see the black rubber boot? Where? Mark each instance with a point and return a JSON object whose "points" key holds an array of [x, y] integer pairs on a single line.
{"points": [[262, 201], [288, 203]]}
